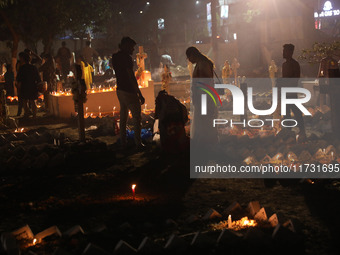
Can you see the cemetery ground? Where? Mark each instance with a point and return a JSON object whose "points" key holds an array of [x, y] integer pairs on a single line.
{"points": [[92, 188]]}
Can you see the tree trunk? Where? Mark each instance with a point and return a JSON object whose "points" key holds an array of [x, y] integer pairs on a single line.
{"points": [[15, 45]]}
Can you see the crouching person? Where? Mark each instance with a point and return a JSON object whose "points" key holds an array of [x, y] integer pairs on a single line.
{"points": [[172, 116]]}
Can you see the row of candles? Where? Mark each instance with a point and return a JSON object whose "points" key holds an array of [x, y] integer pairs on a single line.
{"points": [[101, 114], [93, 90], [235, 225]]}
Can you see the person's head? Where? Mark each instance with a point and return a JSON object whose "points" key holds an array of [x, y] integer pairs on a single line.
{"points": [[28, 51], [26, 58], [105, 57], [193, 54], [88, 43], [127, 44], [288, 50], [48, 57], [63, 44]]}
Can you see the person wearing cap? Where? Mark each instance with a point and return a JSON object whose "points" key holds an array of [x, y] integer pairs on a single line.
{"points": [[128, 92]]}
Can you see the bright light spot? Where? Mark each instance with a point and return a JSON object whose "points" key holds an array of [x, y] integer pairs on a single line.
{"points": [[133, 186], [147, 3], [120, 12], [218, 37], [235, 36], [141, 12], [316, 15], [197, 2], [34, 241]]}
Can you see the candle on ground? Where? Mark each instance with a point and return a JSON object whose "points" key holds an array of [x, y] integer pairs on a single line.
{"points": [[230, 223], [133, 187]]}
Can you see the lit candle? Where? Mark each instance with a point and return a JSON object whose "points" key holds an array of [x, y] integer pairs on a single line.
{"points": [[100, 114], [332, 155], [133, 191], [34, 241], [230, 223], [297, 138], [86, 111]]}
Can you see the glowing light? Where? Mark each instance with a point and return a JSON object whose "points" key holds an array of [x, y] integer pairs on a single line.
{"points": [[133, 187], [197, 2], [230, 223], [34, 241], [141, 12], [235, 225], [147, 3]]}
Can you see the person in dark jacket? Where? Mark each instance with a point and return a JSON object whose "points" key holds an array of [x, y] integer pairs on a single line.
{"points": [[28, 79], [128, 92]]}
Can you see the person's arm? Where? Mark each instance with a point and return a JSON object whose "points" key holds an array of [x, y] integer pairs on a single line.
{"points": [[37, 56], [133, 81]]}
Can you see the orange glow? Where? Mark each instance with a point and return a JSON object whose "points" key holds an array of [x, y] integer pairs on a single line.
{"points": [[34, 241], [19, 130], [235, 225], [11, 99], [133, 187]]}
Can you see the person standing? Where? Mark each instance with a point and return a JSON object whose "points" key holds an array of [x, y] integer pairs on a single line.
{"points": [[128, 92], [88, 53], [64, 57], [28, 78], [202, 130], [49, 76], [291, 69], [20, 63]]}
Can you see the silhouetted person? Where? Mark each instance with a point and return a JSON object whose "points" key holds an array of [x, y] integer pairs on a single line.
{"points": [[9, 81], [28, 79], [291, 69], [49, 76], [128, 92], [88, 53], [20, 63], [64, 57], [202, 130]]}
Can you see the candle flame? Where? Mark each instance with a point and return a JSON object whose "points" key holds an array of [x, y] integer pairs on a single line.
{"points": [[133, 186], [34, 241]]}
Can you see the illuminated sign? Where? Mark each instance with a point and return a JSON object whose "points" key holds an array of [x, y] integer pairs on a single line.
{"points": [[328, 11]]}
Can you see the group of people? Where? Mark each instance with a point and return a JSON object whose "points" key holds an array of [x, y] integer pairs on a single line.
{"points": [[47, 73], [131, 98]]}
